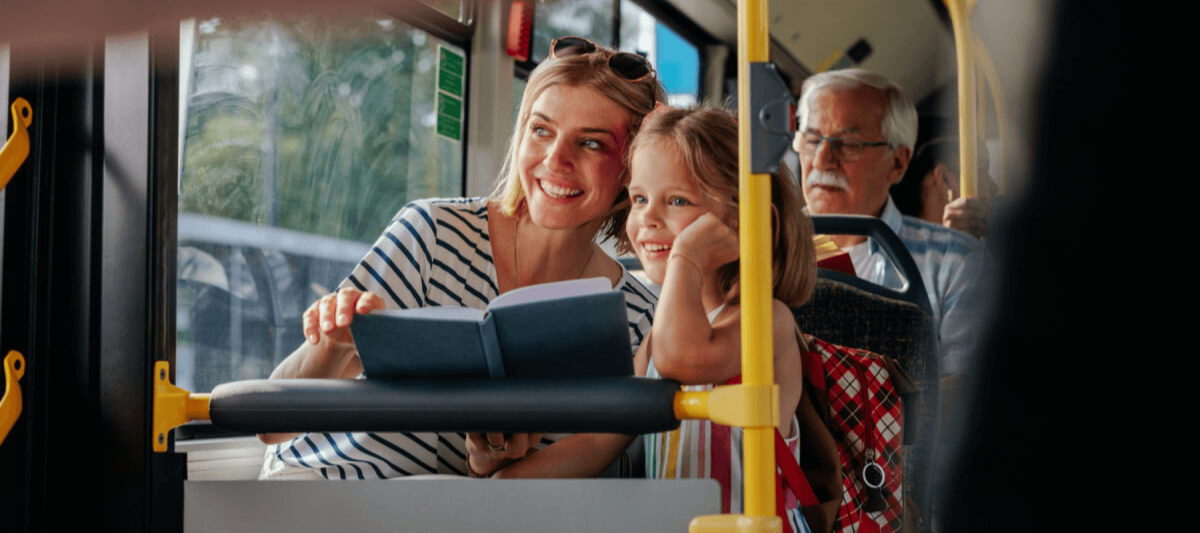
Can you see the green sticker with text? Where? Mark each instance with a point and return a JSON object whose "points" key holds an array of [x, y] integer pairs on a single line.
{"points": [[450, 71], [449, 117]]}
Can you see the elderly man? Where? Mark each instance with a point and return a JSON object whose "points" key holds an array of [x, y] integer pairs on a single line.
{"points": [[855, 138]]}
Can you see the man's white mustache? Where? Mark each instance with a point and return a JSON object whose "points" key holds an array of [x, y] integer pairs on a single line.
{"points": [[828, 179]]}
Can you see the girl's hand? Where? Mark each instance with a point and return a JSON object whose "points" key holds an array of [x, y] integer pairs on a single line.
{"points": [[707, 242], [489, 452]]}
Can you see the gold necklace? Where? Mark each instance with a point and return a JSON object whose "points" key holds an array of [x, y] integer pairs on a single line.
{"points": [[517, 248]]}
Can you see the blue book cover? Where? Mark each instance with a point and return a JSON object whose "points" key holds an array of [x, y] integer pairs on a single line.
{"points": [[574, 328]]}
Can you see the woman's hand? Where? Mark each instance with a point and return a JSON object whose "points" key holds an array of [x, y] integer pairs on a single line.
{"points": [[707, 242], [328, 319], [489, 452], [329, 350]]}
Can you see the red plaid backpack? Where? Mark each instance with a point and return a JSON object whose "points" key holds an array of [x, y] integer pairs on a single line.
{"points": [[851, 469]]}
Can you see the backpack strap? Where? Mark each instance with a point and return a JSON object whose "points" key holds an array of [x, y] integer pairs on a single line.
{"points": [[793, 477]]}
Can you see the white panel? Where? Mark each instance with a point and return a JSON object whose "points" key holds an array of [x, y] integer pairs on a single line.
{"points": [[461, 504]]}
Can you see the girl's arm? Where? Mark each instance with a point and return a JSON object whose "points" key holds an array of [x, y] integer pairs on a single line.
{"points": [[684, 346], [789, 370]]}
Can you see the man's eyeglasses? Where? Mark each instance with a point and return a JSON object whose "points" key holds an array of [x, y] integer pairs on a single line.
{"points": [[844, 149], [629, 66]]}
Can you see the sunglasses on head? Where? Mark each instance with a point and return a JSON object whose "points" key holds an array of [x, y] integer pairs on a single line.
{"points": [[632, 67]]}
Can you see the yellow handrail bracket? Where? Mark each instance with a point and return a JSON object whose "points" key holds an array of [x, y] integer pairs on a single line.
{"points": [[735, 523], [16, 149], [10, 406], [173, 406], [743, 406]]}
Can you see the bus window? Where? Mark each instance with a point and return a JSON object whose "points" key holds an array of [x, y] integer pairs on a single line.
{"points": [[677, 60], [592, 19], [303, 137]]}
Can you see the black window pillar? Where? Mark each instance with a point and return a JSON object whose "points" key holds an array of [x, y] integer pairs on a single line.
{"points": [[88, 286]]}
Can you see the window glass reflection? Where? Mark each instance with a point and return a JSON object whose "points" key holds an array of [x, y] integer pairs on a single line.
{"points": [[303, 137], [591, 19]]}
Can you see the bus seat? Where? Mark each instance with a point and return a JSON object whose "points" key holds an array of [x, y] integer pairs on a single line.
{"points": [[863, 315]]}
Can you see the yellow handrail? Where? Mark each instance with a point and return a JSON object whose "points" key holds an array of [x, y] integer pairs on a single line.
{"points": [[17, 147], [10, 406], [754, 222], [754, 193], [960, 11]]}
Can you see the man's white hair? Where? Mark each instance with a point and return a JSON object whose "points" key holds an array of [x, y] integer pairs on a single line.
{"points": [[899, 119]]}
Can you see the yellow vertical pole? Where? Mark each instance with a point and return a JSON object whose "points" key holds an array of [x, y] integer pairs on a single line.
{"points": [[755, 246], [960, 11]]}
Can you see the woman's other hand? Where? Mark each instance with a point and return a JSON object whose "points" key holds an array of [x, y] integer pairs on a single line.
{"points": [[328, 319], [708, 242], [489, 452]]}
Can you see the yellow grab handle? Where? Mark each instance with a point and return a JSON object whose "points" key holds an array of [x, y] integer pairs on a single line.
{"points": [[17, 147], [10, 406]]}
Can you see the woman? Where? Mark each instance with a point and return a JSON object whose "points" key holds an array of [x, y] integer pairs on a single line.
{"points": [[929, 189], [561, 185]]}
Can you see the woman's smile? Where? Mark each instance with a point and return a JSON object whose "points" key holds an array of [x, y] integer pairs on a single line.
{"points": [[555, 191]]}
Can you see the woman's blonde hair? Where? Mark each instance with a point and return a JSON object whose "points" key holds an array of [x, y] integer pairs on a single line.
{"points": [[586, 70], [707, 139]]}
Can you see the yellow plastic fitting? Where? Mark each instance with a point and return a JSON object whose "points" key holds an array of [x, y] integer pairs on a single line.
{"points": [[735, 523], [16, 149], [173, 406], [10, 406], [744, 406]]}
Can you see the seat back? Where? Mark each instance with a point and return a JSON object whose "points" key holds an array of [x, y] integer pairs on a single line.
{"points": [[863, 315]]}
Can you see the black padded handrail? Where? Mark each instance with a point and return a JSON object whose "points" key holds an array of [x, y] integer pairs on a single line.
{"points": [[914, 288], [581, 405]]}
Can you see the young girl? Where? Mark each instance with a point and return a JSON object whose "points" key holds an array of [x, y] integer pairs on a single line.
{"points": [[683, 189]]}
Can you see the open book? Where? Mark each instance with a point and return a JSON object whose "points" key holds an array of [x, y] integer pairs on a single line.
{"points": [[574, 328]]}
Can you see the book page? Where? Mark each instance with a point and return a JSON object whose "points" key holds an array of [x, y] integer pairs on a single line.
{"points": [[552, 291], [438, 312]]}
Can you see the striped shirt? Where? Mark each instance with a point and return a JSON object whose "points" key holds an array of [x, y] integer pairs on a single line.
{"points": [[952, 267], [434, 253]]}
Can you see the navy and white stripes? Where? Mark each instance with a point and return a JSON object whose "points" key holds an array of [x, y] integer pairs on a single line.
{"points": [[434, 253]]}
